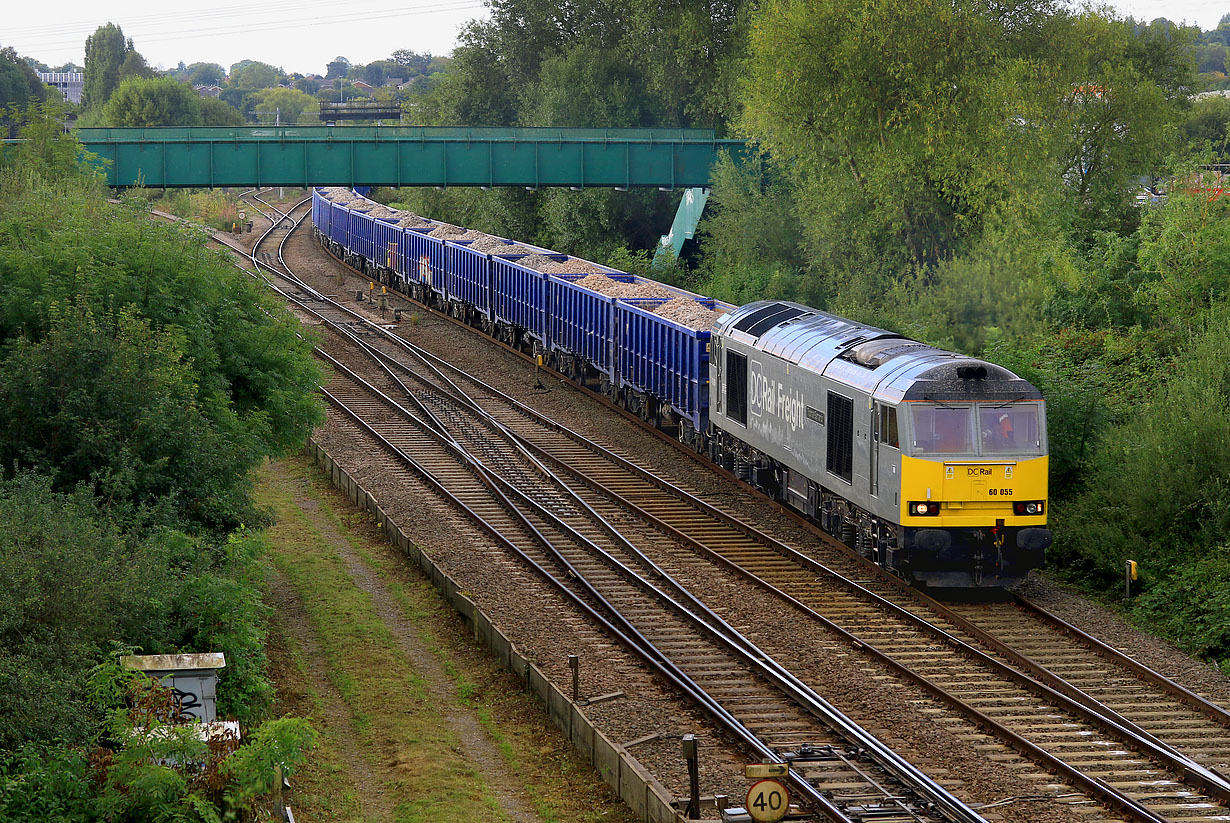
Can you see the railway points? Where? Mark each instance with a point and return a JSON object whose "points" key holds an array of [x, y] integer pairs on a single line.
{"points": [[1168, 797]]}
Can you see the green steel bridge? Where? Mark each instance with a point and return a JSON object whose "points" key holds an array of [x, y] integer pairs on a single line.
{"points": [[406, 156]]}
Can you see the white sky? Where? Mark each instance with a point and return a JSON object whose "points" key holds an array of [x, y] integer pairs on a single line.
{"points": [[1203, 13], [297, 35], [304, 35]]}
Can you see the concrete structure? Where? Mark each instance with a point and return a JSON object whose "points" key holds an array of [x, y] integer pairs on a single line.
{"points": [[193, 678], [70, 83]]}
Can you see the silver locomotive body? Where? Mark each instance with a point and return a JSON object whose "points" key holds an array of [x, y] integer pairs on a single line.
{"points": [[893, 446]]}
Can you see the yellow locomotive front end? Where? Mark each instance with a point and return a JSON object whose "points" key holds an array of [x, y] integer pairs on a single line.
{"points": [[973, 500]]}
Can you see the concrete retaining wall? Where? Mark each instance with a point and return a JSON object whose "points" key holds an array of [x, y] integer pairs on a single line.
{"points": [[649, 800]]}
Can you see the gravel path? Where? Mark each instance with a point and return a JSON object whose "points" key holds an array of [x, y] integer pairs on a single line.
{"points": [[478, 747], [329, 710]]}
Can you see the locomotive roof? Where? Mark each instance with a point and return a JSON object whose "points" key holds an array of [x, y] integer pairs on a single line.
{"points": [[879, 362]]}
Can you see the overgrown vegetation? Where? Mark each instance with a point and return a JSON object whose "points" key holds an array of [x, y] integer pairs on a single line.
{"points": [[143, 378]]}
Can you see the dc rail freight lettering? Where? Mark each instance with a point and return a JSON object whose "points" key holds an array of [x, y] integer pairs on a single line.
{"points": [[930, 463]]}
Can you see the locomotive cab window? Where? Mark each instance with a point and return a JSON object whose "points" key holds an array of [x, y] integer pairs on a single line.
{"points": [[736, 387], [1009, 429], [941, 429], [888, 427]]}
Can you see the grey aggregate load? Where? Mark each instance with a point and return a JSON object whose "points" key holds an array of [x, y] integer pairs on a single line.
{"points": [[626, 291], [687, 312]]}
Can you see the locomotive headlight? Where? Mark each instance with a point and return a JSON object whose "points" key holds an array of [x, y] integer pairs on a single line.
{"points": [[924, 508], [920, 508], [1029, 507]]}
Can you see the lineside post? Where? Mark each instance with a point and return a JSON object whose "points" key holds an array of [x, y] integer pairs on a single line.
{"points": [[693, 758]]}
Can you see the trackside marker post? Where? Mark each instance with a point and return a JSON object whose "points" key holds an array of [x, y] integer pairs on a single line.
{"points": [[692, 755], [768, 800]]}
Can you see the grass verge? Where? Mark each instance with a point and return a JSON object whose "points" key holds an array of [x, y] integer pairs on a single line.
{"points": [[391, 711]]}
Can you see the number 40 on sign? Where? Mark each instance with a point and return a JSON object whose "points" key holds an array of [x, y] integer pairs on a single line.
{"points": [[768, 801]]}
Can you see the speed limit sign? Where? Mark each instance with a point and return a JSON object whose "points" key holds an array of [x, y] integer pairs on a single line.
{"points": [[768, 801]]}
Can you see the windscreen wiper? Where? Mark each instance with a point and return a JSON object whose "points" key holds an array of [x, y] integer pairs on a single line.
{"points": [[940, 403], [1003, 405]]}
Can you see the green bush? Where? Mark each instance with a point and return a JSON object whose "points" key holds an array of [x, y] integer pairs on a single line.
{"points": [[144, 767], [205, 373], [1159, 486], [1192, 605], [75, 584], [142, 378]]}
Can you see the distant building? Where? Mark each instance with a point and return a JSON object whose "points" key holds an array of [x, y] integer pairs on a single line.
{"points": [[394, 81], [69, 83], [208, 91], [361, 86]]}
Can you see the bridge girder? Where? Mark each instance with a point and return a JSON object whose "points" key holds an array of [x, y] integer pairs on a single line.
{"points": [[406, 156]]}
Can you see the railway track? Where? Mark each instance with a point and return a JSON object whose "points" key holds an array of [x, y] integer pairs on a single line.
{"points": [[1030, 717], [839, 769], [1128, 737]]}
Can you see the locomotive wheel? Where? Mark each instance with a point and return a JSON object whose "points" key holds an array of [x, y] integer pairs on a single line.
{"points": [[847, 532]]}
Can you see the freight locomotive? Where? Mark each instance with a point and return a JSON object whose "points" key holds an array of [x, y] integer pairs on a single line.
{"points": [[927, 462]]}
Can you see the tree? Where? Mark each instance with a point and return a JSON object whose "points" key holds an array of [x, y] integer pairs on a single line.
{"points": [[214, 112], [134, 65], [1208, 123], [238, 99], [206, 74], [338, 67], [901, 123], [45, 150], [308, 85], [1119, 114], [374, 74], [290, 105], [478, 90], [209, 352], [690, 53], [1211, 57], [153, 102], [251, 75], [105, 51], [19, 84], [413, 62], [588, 88]]}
